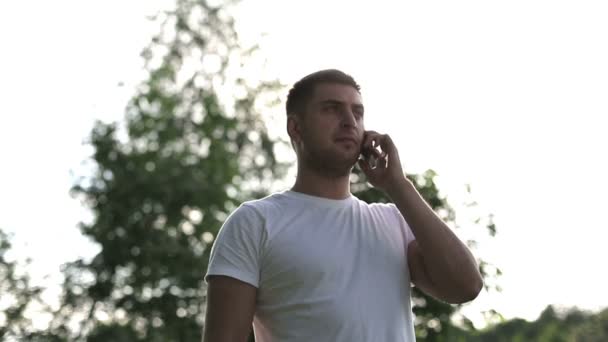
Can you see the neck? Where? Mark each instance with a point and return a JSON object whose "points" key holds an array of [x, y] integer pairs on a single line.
{"points": [[314, 183]]}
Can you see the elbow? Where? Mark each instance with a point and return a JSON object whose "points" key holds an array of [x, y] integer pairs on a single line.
{"points": [[475, 289], [467, 292], [471, 290]]}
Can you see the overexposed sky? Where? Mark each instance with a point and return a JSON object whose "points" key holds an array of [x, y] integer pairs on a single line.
{"points": [[510, 97]]}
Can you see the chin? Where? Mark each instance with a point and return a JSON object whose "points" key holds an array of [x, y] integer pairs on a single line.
{"points": [[333, 163], [339, 167]]}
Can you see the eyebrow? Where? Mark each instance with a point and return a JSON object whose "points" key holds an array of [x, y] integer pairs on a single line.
{"points": [[336, 102]]}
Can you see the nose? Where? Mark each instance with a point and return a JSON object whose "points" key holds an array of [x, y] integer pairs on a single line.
{"points": [[348, 118]]}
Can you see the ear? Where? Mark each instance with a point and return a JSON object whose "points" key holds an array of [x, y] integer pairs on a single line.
{"points": [[293, 128]]}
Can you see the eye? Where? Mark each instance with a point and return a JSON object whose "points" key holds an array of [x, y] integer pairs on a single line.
{"points": [[332, 107], [358, 112]]}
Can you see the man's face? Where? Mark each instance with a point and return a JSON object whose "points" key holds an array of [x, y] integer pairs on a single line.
{"points": [[331, 129]]}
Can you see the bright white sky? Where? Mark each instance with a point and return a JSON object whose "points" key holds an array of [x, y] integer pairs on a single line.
{"points": [[510, 97]]}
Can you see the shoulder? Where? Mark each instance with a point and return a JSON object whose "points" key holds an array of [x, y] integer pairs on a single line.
{"points": [[263, 207], [389, 214], [381, 213], [245, 224], [389, 211], [383, 207], [256, 211], [244, 213], [379, 208]]}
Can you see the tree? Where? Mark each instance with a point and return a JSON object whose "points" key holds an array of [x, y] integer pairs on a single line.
{"points": [[594, 329], [189, 153], [17, 295], [567, 325]]}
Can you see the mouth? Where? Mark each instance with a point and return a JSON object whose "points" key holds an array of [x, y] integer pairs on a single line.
{"points": [[347, 139]]}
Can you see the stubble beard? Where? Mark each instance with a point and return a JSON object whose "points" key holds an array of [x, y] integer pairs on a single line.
{"points": [[330, 164]]}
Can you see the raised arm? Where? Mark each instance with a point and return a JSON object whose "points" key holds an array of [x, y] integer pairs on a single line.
{"points": [[440, 264], [230, 309]]}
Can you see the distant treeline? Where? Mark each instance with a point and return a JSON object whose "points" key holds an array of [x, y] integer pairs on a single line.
{"points": [[553, 325]]}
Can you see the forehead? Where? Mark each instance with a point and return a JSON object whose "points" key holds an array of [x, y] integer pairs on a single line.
{"points": [[336, 91]]}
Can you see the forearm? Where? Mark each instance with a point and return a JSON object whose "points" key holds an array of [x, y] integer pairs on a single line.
{"points": [[448, 262]]}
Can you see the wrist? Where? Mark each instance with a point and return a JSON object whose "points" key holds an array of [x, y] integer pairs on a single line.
{"points": [[399, 185]]}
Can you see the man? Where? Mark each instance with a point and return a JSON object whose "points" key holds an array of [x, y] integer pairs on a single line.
{"points": [[314, 263]]}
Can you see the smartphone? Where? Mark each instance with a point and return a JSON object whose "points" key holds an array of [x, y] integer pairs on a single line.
{"points": [[369, 157]]}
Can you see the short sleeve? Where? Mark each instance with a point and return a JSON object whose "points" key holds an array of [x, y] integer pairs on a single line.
{"points": [[237, 249], [408, 235]]}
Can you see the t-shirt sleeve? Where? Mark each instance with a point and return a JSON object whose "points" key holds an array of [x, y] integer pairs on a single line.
{"points": [[408, 235], [237, 249]]}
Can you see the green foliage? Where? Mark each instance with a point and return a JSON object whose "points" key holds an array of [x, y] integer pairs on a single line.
{"points": [[164, 185], [593, 329], [570, 325], [16, 295]]}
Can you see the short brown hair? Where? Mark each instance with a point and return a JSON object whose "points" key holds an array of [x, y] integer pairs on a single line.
{"points": [[302, 90]]}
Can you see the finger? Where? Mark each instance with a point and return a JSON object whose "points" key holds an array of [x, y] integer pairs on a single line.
{"points": [[372, 148], [377, 146], [386, 143], [382, 162], [368, 140], [383, 146], [390, 151], [374, 152]]}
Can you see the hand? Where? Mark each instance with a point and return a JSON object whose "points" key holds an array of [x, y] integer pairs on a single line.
{"points": [[387, 171]]}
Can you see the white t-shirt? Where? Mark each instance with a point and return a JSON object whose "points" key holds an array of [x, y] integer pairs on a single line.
{"points": [[326, 270]]}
